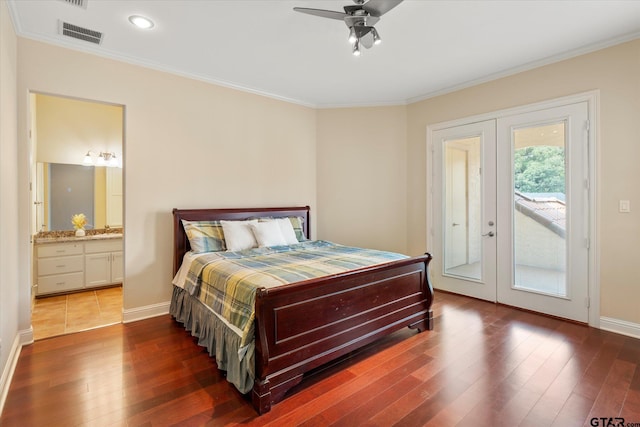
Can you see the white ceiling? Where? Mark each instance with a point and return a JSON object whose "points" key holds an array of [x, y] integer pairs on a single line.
{"points": [[263, 46]]}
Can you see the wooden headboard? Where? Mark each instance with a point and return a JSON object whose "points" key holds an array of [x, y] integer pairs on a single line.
{"points": [[181, 243]]}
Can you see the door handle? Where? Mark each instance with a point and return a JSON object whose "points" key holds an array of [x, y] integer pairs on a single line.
{"points": [[490, 234], [455, 224]]}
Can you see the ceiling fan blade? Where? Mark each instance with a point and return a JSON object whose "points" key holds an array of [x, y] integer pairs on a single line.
{"points": [[352, 9], [322, 13], [380, 7]]}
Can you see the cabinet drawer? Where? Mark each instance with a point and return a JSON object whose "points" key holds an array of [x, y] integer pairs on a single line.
{"points": [[51, 250], [67, 264], [103, 246], [60, 283]]}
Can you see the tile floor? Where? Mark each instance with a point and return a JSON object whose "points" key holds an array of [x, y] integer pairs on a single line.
{"points": [[58, 315]]}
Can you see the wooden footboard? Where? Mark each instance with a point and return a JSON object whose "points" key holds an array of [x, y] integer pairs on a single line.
{"points": [[304, 325]]}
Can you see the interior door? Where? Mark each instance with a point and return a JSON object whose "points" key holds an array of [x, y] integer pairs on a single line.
{"points": [[457, 211], [543, 205], [114, 205], [41, 221], [463, 226]]}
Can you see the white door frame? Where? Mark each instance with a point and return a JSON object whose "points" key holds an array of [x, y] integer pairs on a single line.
{"points": [[592, 98]]}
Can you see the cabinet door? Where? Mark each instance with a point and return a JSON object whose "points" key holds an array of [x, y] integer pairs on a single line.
{"points": [[117, 267], [97, 269]]}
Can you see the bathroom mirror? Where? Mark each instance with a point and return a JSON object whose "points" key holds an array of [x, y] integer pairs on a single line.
{"points": [[67, 189]]}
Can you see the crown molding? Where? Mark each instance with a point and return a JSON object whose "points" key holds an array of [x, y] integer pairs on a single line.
{"points": [[528, 66]]}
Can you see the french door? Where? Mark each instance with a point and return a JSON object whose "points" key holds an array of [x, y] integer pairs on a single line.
{"points": [[464, 210], [510, 210]]}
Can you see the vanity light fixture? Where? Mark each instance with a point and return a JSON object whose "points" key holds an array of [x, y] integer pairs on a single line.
{"points": [[141, 22], [87, 159], [103, 159], [107, 159]]}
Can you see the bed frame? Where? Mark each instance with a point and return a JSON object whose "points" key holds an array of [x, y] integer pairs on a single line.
{"points": [[304, 325]]}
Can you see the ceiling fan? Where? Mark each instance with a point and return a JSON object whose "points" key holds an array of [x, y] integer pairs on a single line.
{"points": [[359, 18]]}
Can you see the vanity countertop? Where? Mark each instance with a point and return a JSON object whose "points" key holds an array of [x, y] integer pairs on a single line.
{"points": [[40, 240], [69, 236]]}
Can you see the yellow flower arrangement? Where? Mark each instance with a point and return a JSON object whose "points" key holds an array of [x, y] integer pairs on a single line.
{"points": [[79, 221]]}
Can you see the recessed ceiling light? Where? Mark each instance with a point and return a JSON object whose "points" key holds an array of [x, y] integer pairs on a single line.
{"points": [[141, 22]]}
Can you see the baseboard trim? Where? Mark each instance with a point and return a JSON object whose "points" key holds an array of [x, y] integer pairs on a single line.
{"points": [[140, 313], [22, 338], [618, 326], [26, 336]]}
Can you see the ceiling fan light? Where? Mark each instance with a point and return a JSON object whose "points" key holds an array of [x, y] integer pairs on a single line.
{"points": [[376, 37], [356, 48], [352, 35]]}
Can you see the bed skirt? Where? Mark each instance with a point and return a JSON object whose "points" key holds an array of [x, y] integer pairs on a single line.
{"points": [[220, 341]]}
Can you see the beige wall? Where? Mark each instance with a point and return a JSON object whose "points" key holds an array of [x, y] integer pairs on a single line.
{"points": [[10, 274], [616, 73], [67, 129], [361, 164], [188, 144]]}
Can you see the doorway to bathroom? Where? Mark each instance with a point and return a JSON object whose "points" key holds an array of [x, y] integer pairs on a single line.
{"points": [[77, 214]]}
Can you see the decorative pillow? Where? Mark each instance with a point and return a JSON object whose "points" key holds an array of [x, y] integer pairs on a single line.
{"points": [[267, 233], [204, 236], [238, 235], [298, 226], [286, 228]]}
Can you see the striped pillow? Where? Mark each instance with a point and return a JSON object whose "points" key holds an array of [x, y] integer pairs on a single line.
{"points": [[298, 226], [205, 236]]}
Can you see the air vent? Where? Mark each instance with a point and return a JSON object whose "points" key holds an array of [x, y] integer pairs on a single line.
{"points": [[80, 33], [79, 3]]}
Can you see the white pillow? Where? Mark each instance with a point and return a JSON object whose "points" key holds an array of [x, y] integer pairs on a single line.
{"points": [[267, 233], [238, 235], [286, 228]]}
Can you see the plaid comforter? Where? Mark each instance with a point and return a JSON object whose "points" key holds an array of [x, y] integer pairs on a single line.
{"points": [[227, 282]]}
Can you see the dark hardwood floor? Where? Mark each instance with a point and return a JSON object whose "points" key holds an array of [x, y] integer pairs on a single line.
{"points": [[483, 365]]}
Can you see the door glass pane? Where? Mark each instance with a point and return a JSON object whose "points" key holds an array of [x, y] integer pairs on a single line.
{"points": [[462, 208], [539, 244]]}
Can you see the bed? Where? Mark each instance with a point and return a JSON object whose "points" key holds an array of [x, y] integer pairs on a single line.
{"points": [[303, 325]]}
